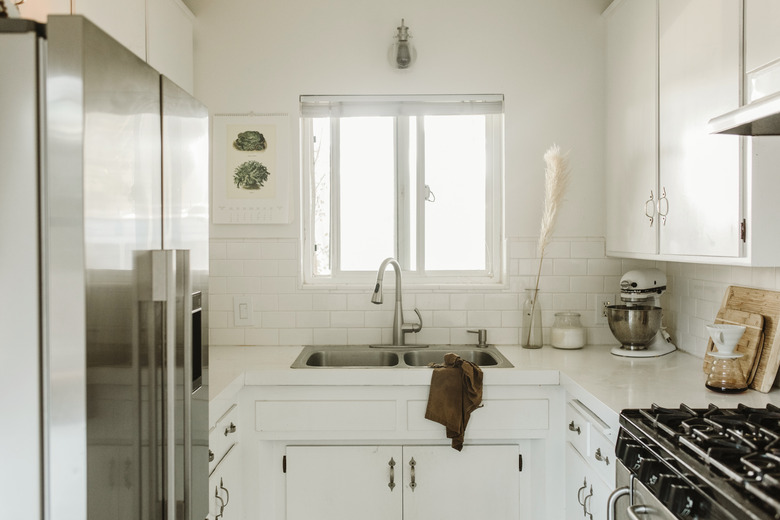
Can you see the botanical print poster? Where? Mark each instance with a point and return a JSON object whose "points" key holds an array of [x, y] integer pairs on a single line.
{"points": [[251, 169]]}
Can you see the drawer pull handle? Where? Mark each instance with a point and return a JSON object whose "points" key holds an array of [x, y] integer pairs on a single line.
{"points": [[585, 504], [391, 485], [412, 483], [211, 456], [580, 500], [599, 457], [573, 428], [227, 493], [230, 429]]}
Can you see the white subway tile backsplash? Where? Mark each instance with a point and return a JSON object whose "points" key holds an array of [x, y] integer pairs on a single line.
{"points": [[347, 319], [570, 267], [267, 269], [467, 301], [502, 301], [483, 319], [587, 249]]}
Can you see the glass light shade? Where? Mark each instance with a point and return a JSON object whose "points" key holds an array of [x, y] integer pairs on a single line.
{"points": [[402, 53]]}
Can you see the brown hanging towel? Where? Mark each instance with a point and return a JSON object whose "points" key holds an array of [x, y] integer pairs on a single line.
{"points": [[456, 391]]}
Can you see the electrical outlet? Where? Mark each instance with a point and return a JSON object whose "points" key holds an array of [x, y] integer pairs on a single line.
{"points": [[600, 313], [242, 311]]}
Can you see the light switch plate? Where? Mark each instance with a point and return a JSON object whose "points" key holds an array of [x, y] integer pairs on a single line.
{"points": [[242, 311]]}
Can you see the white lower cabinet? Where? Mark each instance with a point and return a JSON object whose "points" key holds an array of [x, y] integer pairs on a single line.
{"points": [[225, 485], [586, 493], [406, 482]]}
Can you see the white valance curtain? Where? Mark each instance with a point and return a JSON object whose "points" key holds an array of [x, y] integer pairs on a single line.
{"points": [[410, 105]]}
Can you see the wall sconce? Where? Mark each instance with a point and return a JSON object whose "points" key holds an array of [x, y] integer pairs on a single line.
{"points": [[402, 52]]}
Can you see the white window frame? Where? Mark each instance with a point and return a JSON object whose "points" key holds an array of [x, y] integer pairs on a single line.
{"points": [[332, 106]]}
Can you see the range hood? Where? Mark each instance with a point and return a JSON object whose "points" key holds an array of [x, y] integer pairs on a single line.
{"points": [[761, 117]]}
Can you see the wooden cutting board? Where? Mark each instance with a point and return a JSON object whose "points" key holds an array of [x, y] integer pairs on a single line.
{"points": [[766, 303], [750, 344]]}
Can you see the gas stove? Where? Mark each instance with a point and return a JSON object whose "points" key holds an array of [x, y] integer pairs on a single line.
{"points": [[715, 463]]}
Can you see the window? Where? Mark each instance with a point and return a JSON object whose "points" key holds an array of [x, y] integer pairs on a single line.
{"points": [[417, 178]]}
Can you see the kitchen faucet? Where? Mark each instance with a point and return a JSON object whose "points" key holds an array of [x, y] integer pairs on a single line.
{"points": [[399, 327]]}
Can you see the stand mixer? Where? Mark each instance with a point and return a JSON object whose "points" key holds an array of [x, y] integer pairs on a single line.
{"points": [[637, 323]]}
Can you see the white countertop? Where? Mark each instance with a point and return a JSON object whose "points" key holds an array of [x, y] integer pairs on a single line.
{"points": [[615, 382]]}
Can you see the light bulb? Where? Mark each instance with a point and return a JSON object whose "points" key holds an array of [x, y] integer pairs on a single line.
{"points": [[402, 52]]}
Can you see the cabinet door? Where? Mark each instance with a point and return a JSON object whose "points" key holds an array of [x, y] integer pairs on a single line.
{"points": [[169, 41], [586, 494], [344, 482], [699, 78], [124, 20], [632, 128], [762, 39], [225, 489], [478, 482]]}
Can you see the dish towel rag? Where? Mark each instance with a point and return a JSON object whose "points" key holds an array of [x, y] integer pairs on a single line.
{"points": [[456, 391]]}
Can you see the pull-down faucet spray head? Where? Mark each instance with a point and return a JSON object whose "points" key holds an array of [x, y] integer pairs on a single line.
{"points": [[377, 296]]}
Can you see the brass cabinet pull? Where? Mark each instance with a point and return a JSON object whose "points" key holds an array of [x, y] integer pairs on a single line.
{"points": [[665, 212], [650, 208], [391, 484], [580, 500], [599, 457], [585, 511]]}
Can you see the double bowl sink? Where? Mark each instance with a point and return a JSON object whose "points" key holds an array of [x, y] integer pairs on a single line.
{"points": [[409, 356]]}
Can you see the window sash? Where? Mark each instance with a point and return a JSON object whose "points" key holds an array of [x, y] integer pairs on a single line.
{"points": [[494, 271]]}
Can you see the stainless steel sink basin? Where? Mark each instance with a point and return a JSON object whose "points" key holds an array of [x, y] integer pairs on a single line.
{"points": [[351, 358], [363, 356], [421, 358]]}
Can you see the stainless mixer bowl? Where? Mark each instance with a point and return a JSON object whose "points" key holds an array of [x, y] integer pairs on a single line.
{"points": [[634, 326]]}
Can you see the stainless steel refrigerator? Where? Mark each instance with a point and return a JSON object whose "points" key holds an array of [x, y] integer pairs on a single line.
{"points": [[104, 264]]}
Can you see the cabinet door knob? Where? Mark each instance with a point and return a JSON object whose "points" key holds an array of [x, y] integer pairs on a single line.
{"points": [[573, 428], [599, 457]]}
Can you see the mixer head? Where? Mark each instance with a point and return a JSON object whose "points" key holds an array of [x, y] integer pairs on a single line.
{"points": [[641, 285]]}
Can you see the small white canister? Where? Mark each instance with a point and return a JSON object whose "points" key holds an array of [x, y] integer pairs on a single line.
{"points": [[567, 331]]}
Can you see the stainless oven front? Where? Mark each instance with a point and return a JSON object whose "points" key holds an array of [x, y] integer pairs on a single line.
{"points": [[632, 500]]}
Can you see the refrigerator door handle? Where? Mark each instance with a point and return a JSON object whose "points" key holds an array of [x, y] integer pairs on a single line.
{"points": [[172, 285]]}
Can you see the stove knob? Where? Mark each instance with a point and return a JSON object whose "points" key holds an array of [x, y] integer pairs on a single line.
{"points": [[680, 498], [648, 471]]}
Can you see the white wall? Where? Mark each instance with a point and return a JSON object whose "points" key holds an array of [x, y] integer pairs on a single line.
{"points": [[547, 58]]}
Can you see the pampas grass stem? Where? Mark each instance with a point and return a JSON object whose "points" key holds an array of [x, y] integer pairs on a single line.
{"points": [[556, 179]]}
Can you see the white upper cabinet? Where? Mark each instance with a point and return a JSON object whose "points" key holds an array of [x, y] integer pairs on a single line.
{"points": [[762, 48], [699, 78], [125, 21], [672, 65], [157, 31], [632, 128], [169, 40]]}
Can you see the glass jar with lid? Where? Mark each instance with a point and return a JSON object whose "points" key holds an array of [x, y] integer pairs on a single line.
{"points": [[567, 331]]}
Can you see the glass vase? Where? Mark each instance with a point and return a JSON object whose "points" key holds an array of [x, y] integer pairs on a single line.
{"points": [[531, 332]]}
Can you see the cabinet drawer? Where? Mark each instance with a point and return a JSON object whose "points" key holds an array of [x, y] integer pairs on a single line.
{"points": [[602, 456], [223, 436], [325, 416], [577, 430], [494, 415]]}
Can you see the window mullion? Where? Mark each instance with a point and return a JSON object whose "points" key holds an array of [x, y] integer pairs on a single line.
{"points": [[335, 197], [420, 201], [403, 203]]}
